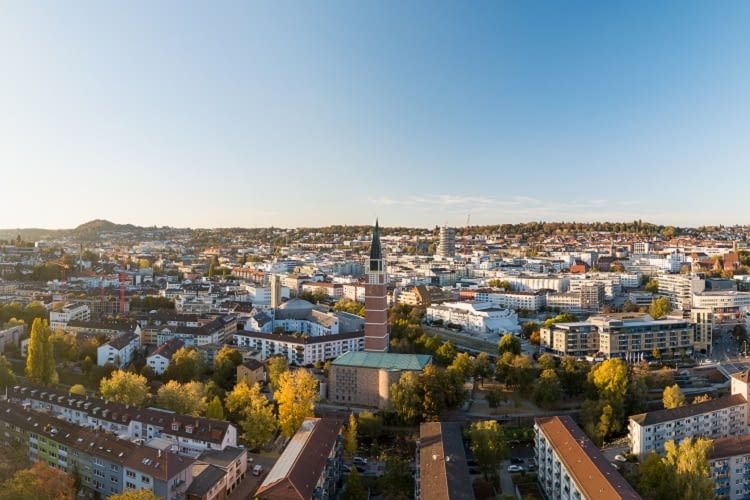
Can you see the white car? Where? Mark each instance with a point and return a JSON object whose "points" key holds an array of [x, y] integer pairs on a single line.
{"points": [[515, 468], [620, 458]]}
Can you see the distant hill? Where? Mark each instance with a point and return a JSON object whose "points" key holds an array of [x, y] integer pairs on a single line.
{"points": [[87, 231], [93, 228]]}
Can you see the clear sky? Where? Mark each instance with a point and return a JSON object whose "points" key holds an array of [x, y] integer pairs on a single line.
{"points": [[313, 113]]}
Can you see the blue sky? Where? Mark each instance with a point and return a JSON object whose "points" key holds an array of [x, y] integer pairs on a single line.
{"points": [[314, 113]]}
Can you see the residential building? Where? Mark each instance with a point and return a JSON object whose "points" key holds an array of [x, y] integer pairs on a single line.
{"points": [[11, 335], [446, 248], [159, 360], [301, 349], [680, 288], [69, 312], [365, 378], [729, 464], [717, 418], [310, 465], [251, 371], [442, 470], [219, 473], [625, 335], [333, 290], [118, 351], [474, 317], [571, 467], [529, 301]]}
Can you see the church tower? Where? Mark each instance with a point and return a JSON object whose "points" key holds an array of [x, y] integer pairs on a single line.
{"points": [[376, 299]]}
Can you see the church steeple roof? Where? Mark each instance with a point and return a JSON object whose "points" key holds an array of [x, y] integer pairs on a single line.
{"points": [[375, 251]]}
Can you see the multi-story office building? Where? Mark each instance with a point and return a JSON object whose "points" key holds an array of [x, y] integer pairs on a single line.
{"points": [[729, 463], [625, 336], [310, 466], [530, 301], [727, 306], [474, 317], [69, 312], [680, 288], [447, 244], [717, 418], [571, 467]]}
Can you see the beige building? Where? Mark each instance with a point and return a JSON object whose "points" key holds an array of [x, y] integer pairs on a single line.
{"points": [[251, 371], [365, 378]]}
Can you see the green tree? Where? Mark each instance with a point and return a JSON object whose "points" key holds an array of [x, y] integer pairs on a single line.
{"points": [[660, 307], [406, 397], [225, 366], [40, 359], [482, 367], [682, 472], [187, 399], [494, 396], [354, 490], [255, 413], [350, 437], [547, 362], [445, 353], [509, 343], [488, 445], [215, 409], [276, 366], [547, 389], [463, 364], [124, 387], [397, 481], [7, 377], [521, 373], [186, 364], [673, 397], [296, 396], [657, 479]]}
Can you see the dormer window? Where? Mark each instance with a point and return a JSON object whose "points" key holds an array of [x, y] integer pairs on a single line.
{"points": [[189, 429], [175, 426]]}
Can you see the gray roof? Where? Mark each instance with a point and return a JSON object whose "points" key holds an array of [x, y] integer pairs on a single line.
{"points": [[205, 480], [443, 470]]}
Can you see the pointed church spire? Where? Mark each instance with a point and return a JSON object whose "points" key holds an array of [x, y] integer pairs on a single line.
{"points": [[375, 250]]}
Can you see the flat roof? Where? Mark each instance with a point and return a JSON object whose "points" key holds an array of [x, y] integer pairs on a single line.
{"points": [[592, 472], [383, 360]]}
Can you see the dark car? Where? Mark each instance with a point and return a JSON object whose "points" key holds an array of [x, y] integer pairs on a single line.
{"points": [[516, 460]]}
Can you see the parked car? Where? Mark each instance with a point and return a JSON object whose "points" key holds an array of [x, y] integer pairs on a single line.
{"points": [[531, 467], [516, 460], [360, 461], [620, 458], [257, 470], [515, 468]]}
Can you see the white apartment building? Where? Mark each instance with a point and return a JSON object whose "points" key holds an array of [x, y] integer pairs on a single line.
{"points": [[69, 312], [729, 464], [680, 288], [533, 283], [571, 467], [641, 247], [717, 418], [118, 351], [299, 349], [531, 301], [354, 291], [624, 336], [567, 301], [474, 317], [332, 290], [727, 306]]}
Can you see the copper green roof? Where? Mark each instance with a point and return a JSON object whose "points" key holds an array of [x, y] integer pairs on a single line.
{"points": [[383, 360]]}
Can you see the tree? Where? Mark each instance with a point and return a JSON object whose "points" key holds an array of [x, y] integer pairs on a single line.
{"points": [[276, 365], [215, 409], [7, 377], [225, 366], [521, 373], [254, 412], [463, 364], [354, 490], [350, 437], [39, 481], [40, 359], [350, 306], [185, 365], [509, 343], [629, 306], [701, 398], [406, 397], [535, 337], [370, 424], [124, 387], [657, 479], [482, 367], [494, 396], [547, 390], [488, 445], [187, 399], [660, 307], [547, 362], [688, 463], [296, 396], [610, 378], [78, 389], [673, 397], [445, 353], [135, 495], [656, 353], [573, 375], [397, 481], [652, 286]]}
